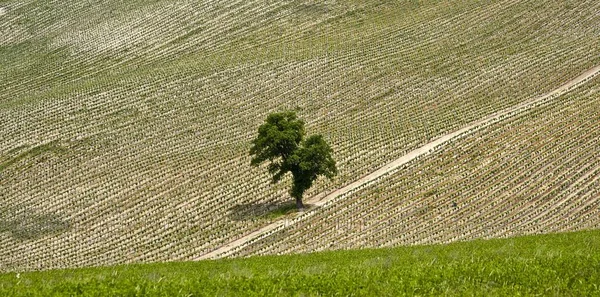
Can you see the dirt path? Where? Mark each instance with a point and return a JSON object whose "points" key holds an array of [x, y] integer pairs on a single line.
{"points": [[323, 198]]}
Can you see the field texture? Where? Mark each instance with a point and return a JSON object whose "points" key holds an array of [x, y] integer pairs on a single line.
{"points": [[125, 125], [535, 173], [548, 265]]}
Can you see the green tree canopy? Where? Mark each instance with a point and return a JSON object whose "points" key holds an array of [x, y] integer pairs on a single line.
{"points": [[279, 142]]}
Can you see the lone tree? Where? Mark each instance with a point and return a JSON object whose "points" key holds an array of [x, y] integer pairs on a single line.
{"points": [[280, 141]]}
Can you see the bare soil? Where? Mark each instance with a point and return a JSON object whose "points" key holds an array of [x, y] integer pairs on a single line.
{"points": [[323, 198]]}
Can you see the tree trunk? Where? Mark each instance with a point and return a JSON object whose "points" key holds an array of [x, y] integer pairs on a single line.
{"points": [[299, 204]]}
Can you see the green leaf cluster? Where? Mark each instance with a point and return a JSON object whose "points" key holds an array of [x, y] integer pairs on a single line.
{"points": [[280, 141]]}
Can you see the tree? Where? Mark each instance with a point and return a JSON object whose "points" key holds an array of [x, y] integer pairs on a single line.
{"points": [[280, 142]]}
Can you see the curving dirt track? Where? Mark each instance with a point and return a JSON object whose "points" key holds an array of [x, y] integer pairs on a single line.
{"points": [[323, 198]]}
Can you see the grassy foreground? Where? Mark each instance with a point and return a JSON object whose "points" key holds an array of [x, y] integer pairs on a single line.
{"points": [[565, 264]]}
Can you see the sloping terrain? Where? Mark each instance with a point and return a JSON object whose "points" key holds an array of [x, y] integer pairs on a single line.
{"points": [[536, 173], [126, 124], [327, 198]]}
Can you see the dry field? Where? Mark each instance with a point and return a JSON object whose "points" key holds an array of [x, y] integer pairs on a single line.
{"points": [[536, 173], [125, 125]]}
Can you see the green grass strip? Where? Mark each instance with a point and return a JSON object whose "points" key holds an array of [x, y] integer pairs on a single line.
{"points": [[565, 264]]}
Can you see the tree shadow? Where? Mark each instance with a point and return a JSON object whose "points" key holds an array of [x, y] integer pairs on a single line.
{"points": [[27, 227], [269, 210]]}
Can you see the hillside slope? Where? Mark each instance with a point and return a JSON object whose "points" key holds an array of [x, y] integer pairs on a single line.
{"points": [[535, 173], [126, 124]]}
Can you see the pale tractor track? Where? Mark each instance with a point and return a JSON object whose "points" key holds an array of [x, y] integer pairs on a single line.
{"points": [[328, 198]]}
